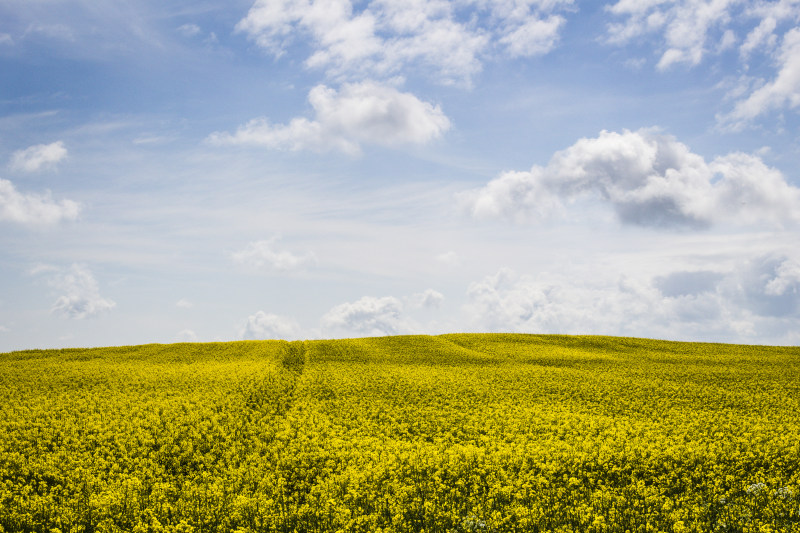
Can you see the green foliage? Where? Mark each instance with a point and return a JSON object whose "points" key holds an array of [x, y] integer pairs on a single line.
{"points": [[452, 433]]}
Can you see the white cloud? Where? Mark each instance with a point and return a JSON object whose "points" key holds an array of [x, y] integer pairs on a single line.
{"points": [[58, 31], [649, 179], [785, 278], [762, 35], [687, 26], [80, 296], [749, 191], [427, 34], [367, 316], [6, 39], [38, 157], [189, 30], [359, 113], [269, 326], [383, 37], [183, 303], [186, 335], [262, 255], [781, 92], [688, 31], [426, 299], [534, 37], [34, 209], [509, 302], [526, 28], [770, 15], [770, 285], [42, 268], [449, 258], [521, 196], [757, 301], [727, 41], [153, 139]]}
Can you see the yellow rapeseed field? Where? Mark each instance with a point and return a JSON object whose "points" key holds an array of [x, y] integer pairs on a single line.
{"points": [[451, 433]]}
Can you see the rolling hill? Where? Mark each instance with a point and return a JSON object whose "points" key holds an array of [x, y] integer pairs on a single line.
{"points": [[450, 433]]}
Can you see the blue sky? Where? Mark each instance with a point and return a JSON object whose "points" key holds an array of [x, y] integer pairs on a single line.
{"points": [[199, 171]]}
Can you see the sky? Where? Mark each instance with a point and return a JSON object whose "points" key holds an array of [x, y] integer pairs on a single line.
{"points": [[196, 170]]}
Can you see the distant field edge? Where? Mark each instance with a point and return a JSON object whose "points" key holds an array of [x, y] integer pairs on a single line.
{"points": [[577, 341]]}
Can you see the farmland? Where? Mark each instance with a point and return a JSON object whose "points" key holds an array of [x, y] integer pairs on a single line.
{"points": [[450, 433]]}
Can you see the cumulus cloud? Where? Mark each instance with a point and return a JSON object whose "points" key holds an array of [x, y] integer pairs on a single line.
{"points": [[450, 259], [427, 299], [262, 255], [783, 276], [367, 316], [269, 326], [649, 179], [34, 209], [770, 285], [358, 113], [80, 295], [756, 301], [38, 157], [383, 38], [507, 301]]}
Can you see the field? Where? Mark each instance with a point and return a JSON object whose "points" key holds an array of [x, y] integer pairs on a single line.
{"points": [[451, 433]]}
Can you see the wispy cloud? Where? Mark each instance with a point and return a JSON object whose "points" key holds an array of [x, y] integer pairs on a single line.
{"points": [[79, 292], [688, 32], [82, 29], [189, 30], [39, 157], [55, 31], [533, 37], [685, 26], [358, 113], [781, 92], [263, 256]]}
